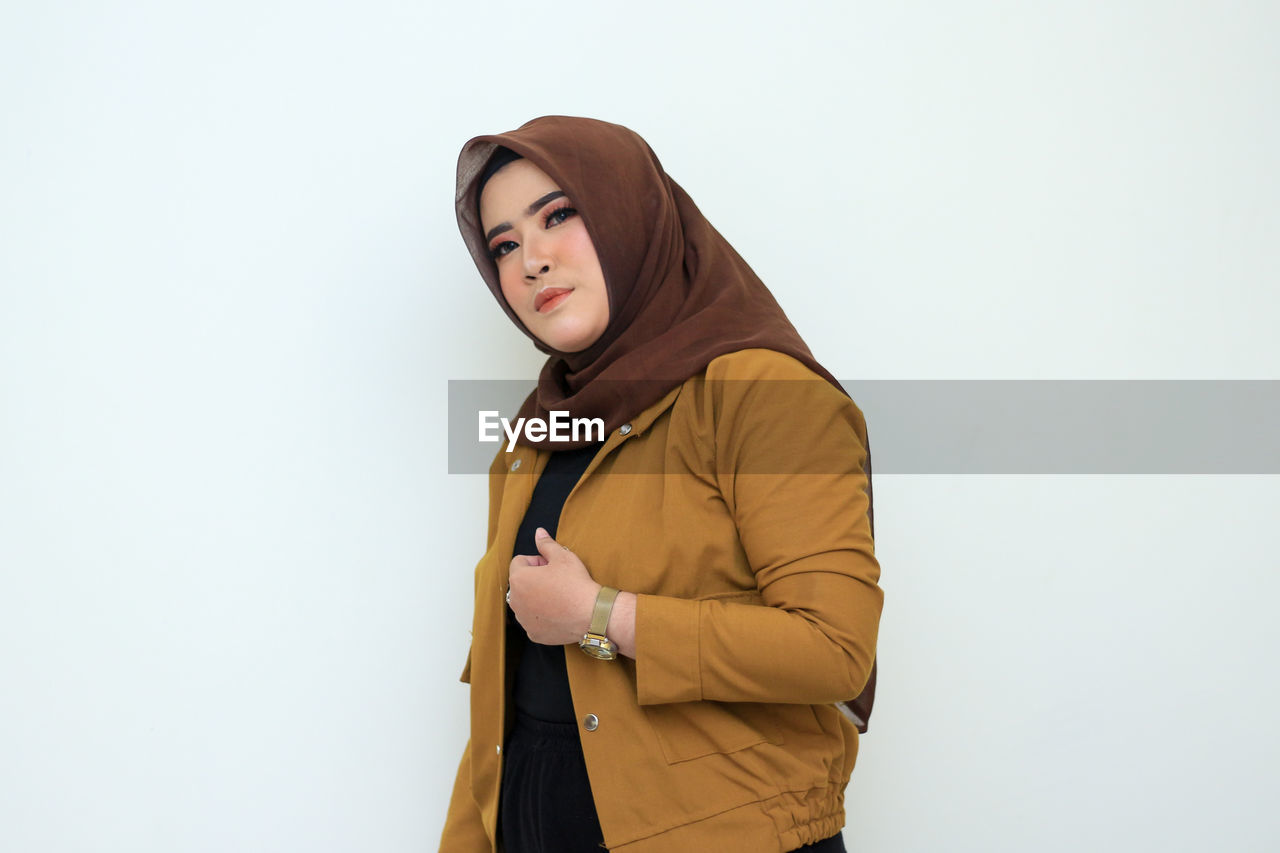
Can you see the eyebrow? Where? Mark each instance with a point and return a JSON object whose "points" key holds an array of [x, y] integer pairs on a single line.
{"points": [[528, 211]]}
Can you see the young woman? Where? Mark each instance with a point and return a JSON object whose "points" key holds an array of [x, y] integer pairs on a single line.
{"points": [[711, 552]]}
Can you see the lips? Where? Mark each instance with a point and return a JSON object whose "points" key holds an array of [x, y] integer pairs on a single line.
{"points": [[549, 296]]}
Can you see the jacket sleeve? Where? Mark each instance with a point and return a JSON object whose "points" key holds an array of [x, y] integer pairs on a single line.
{"points": [[463, 828], [789, 453]]}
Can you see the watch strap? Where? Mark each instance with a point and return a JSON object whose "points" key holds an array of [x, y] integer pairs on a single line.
{"points": [[603, 609]]}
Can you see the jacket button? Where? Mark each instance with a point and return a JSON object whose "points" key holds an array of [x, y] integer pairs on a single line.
{"points": [[515, 466], [499, 749], [624, 429], [591, 722]]}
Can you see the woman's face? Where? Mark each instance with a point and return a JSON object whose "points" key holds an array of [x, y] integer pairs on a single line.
{"points": [[547, 265]]}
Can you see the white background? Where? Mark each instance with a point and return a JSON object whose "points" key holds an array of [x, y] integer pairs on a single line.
{"points": [[235, 579]]}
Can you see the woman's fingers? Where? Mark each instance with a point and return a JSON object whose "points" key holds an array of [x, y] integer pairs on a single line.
{"points": [[547, 546], [524, 561]]}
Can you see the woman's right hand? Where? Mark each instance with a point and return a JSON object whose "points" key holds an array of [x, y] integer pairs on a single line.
{"points": [[551, 593]]}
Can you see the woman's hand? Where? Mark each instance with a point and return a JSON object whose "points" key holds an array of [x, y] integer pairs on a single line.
{"points": [[552, 594]]}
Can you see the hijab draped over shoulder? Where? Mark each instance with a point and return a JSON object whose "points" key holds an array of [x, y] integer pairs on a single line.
{"points": [[679, 295]]}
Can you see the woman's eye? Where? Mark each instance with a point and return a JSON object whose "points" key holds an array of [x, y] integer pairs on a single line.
{"points": [[560, 214], [501, 249]]}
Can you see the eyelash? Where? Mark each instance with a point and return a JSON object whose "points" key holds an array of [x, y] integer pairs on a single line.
{"points": [[566, 209], [569, 212]]}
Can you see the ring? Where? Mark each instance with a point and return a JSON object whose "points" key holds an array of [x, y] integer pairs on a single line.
{"points": [[508, 595]]}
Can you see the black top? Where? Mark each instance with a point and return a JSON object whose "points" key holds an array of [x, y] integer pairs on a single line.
{"points": [[541, 687]]}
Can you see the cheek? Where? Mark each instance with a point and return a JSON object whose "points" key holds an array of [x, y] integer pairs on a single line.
{"points": [[578, 241], [597, 314], [593, 278], [512, 287], [603, 309]]}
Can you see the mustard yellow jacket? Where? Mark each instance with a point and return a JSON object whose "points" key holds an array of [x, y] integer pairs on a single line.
{"points": [[736, 508]]}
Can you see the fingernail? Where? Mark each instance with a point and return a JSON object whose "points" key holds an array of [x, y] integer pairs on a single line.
{"points": [[540, 533]]}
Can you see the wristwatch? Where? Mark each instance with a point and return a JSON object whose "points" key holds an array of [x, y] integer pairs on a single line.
{"points": [[594, 642]]}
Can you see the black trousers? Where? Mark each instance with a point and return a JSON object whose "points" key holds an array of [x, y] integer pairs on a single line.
{"points": [[546, 804]]}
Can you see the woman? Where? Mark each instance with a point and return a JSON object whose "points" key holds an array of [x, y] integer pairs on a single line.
{"points": [[711, 551]]}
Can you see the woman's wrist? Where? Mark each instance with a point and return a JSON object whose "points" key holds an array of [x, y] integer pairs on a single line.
{"points": [[622, 624], [621, 629]]}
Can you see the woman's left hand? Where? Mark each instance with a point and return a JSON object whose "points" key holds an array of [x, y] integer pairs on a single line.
{"points": [[551, 594]]}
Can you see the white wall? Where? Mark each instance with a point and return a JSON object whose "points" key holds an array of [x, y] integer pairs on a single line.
{"points": [[235, 577]]}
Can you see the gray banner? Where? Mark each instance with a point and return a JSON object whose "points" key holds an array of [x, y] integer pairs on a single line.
{"points": [[1000, 426]]}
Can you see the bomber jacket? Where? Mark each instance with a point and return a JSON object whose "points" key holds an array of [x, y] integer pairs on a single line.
{"points": [[736, 508]]}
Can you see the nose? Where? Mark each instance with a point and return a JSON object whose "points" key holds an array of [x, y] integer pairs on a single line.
{"points": [[537, 257]]}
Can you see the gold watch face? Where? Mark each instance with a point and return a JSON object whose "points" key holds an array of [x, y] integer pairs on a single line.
{"points": [[598, 647]]}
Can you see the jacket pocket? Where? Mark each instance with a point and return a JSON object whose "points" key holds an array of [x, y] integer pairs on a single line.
{"points": [[688, 730]]}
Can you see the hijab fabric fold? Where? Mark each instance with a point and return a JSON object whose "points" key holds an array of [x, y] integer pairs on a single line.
{"points": [[679, 295]]}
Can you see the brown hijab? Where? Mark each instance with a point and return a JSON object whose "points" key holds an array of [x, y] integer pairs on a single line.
{"points": [[679, 295]]}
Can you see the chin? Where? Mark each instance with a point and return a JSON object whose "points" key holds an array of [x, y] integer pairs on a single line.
{"points": [[575, 345], [573, 340]]}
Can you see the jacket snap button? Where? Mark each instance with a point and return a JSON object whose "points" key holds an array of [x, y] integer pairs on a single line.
{"points": [[515, 466], [499, 749], [624, 429], [591, 722]]}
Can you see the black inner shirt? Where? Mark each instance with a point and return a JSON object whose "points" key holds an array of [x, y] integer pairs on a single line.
{"points": [[541, 687]]}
